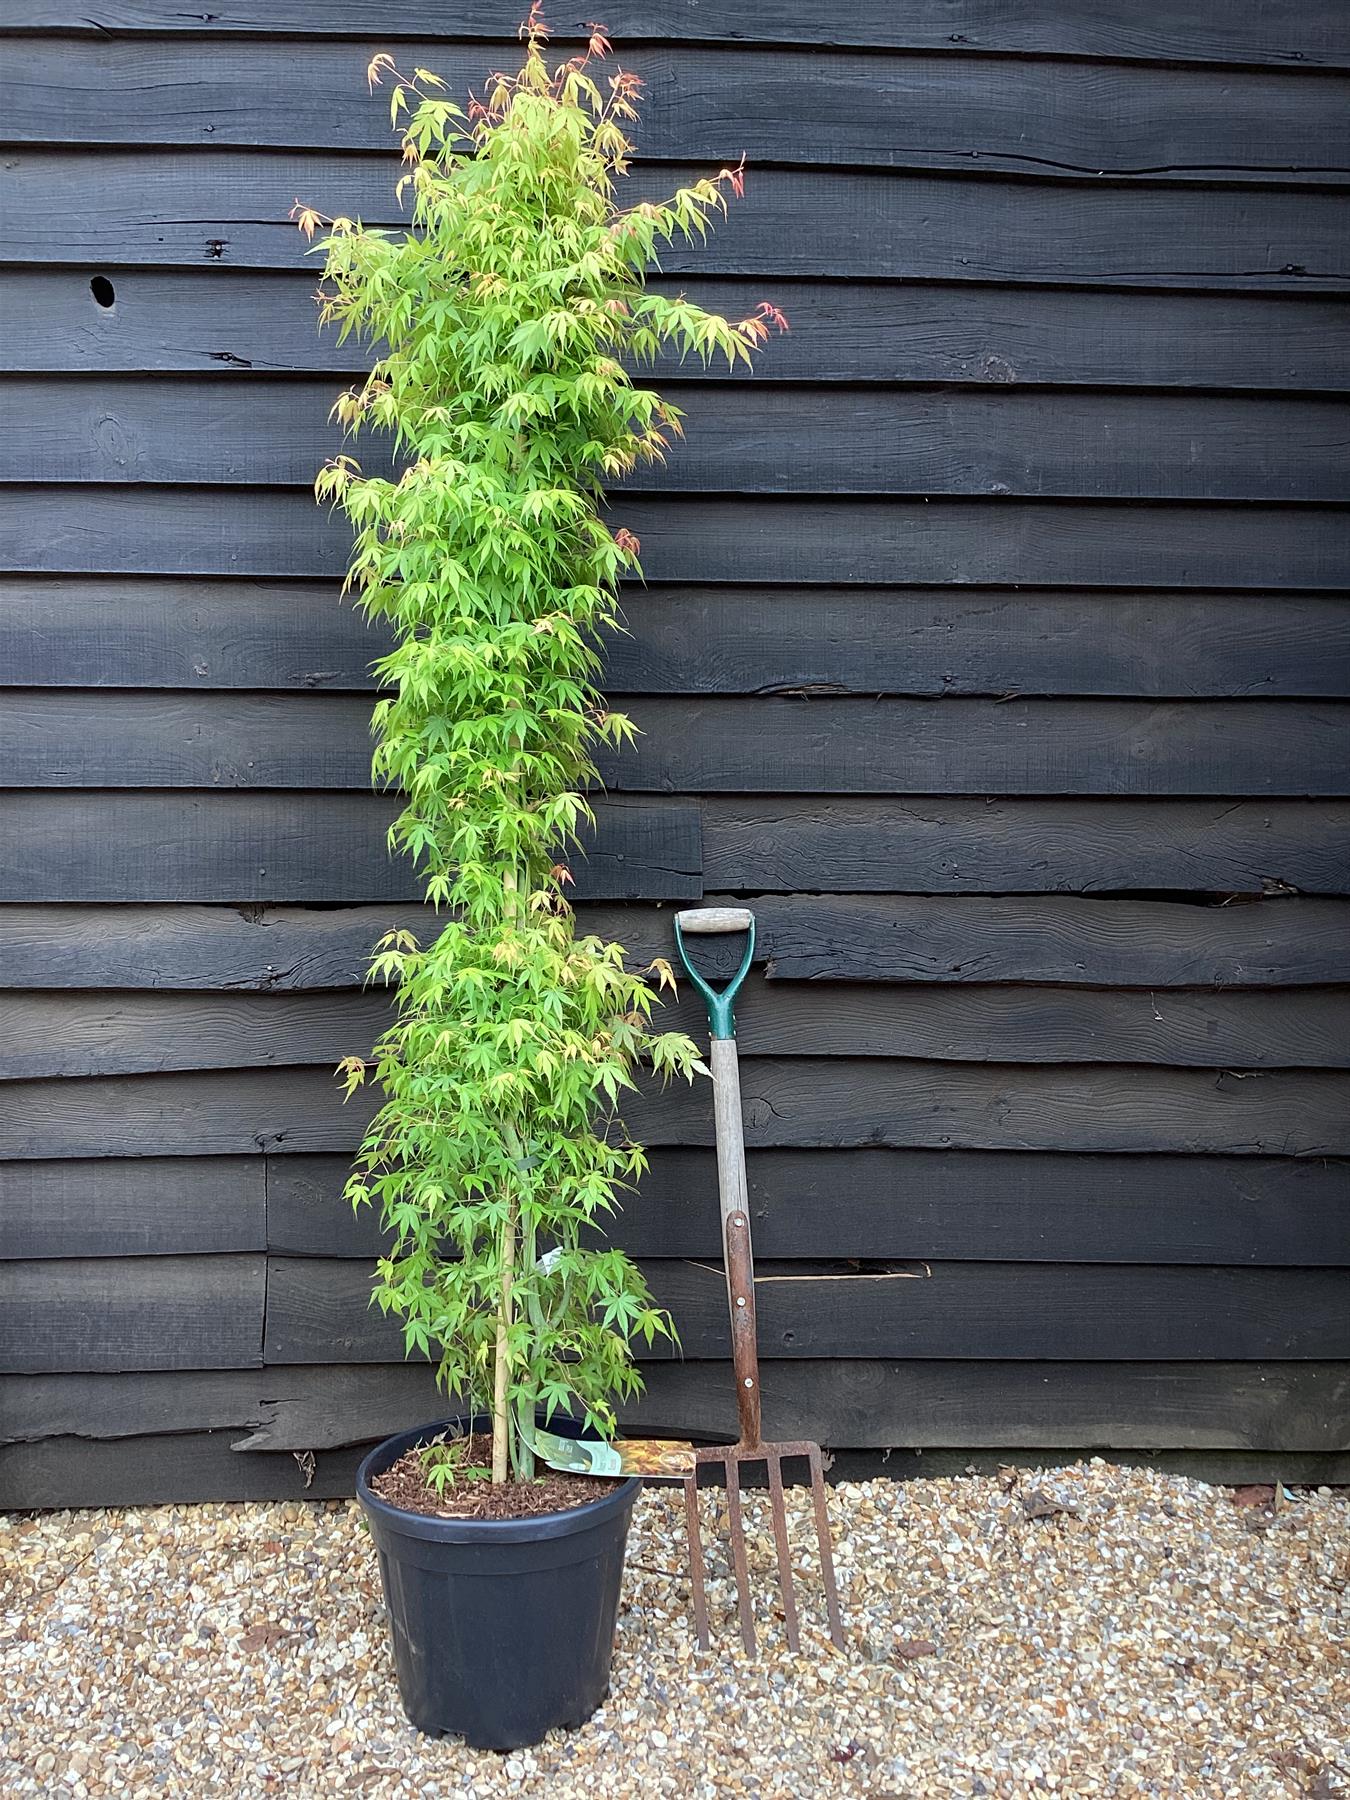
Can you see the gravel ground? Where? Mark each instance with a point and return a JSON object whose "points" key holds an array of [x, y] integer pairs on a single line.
{"points": [[1156, 1638]]}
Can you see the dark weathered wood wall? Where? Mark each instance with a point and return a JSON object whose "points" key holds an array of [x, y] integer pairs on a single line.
{"points": [[997, 645]]}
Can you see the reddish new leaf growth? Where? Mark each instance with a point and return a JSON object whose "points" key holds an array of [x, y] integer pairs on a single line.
{"points": [[306, 218]]}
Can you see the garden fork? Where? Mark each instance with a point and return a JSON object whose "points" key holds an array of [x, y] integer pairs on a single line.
{"points": [[738, 1252]]}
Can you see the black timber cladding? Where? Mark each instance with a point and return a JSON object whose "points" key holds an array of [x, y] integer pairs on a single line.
{"points": [[996, 647]]}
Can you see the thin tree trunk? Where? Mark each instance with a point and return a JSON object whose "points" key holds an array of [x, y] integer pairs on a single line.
{"points": [[525, 1405], [501, 1374], [502, 1458]]}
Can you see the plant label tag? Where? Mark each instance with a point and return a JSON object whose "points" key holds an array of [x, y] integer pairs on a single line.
{"points": [[654, 1458]]}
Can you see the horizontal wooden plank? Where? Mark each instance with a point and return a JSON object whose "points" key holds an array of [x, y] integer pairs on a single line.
{"points": [[1080, 941], [971, 1206], [154, 1312], [184, 1468], [139, 1033], [180, 1467], [146, 1206], [1273, 1405], [1037, 1024], [233, 1114], [931, 640], [1246, 32], [1134, 943], [173, 207], [221, 321], [134, 632], [872, 1404], [260, 849], [139, 632], [845, 1102], [741, 438], [118, 1034], [62, 738], [318, 1310], [1028, 116], [206, 846], [804, 1102], [934, 845], [196, 948], [956, 745], [960, 1206], [982, 543]]}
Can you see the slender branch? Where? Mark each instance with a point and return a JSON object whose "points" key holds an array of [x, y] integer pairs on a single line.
{"points": [[501, 1373]]}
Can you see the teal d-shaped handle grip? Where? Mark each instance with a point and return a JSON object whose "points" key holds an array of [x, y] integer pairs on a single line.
{"points": [[709, 921]]}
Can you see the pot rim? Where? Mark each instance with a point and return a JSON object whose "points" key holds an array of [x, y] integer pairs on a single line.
{"points": [[536, 1528]]}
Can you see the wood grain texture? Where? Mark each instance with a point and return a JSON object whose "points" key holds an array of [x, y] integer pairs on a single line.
{"points": [[171, 207], [936, 641], [963, 746], [1134, 943], [129, 1312], [741, 438], [120, 1033], [1247, 32], [1291, 1406], [864, 1204], [981, 543], [231, 1114], [63, 738], [177, 1467], [204, 634], [960, 1206], [146, 1034], [263, 849], [318, 1310], [254, 847], [144, 1206], [201, 949], [1103, 942], [180, 1469], [1026, 116], [221, 321], [790, 1102], [928, 844]]}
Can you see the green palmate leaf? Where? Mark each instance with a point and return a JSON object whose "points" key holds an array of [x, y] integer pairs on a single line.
{"points": [[506, 323]]}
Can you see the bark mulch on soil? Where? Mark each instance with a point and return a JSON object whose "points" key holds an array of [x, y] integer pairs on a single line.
{"points": [[404, 1484]]}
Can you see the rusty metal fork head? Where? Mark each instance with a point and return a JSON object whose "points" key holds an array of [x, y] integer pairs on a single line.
{"points": [[730, 1460]]}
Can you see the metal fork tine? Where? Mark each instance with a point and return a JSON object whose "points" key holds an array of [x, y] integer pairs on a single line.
{"points": [[780, 1541], [699, 1593], [826, 1554], [738, 1560]]}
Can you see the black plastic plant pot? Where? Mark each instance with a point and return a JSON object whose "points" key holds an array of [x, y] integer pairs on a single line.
{"points": [[502, 1628]]}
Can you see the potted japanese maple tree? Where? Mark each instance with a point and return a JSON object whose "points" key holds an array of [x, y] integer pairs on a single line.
{"points": [[507, 319]]}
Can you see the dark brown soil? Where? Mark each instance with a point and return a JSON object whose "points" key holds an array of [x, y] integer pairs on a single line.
{"points": [[404, 1485]]}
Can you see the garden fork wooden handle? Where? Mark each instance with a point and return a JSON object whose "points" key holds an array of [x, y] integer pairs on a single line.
{"points": [[732, 1191], [740, 1264]]}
